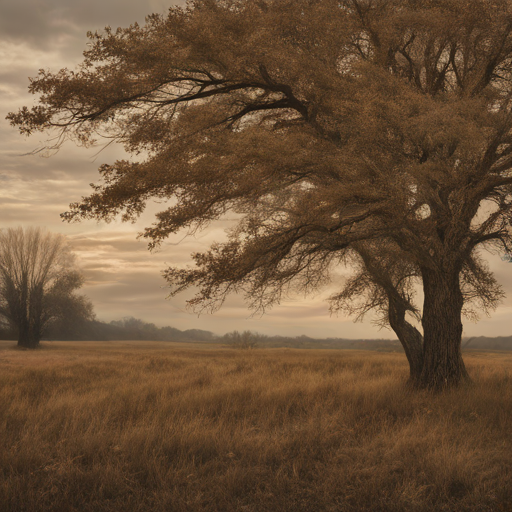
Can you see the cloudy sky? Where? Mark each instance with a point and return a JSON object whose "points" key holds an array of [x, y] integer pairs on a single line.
{"points": [[123, 277]]}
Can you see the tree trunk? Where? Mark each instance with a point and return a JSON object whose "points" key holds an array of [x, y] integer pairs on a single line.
{"points": [[410, 338], [443, 366], [27, 338]]}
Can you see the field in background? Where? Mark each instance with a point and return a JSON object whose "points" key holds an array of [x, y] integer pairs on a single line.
{"points": [[120, 426]]}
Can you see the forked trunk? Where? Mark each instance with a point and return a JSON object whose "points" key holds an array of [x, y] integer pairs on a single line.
{"points": [[443, 366], [410, 338], [28, 337]]}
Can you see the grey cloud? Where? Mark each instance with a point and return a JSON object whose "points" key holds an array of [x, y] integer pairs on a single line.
{"points": [[10, 80], [46, 23], [30, 21]]}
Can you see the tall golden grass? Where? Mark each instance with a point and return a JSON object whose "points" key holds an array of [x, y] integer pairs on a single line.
{"points": [[90, 426]]}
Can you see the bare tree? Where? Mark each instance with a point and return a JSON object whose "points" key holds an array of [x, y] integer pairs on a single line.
{"points": [[38, 279], [243, 340], [325, 126]]}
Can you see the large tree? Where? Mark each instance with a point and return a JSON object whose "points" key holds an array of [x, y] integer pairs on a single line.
{"points": [[333, 129], [384, 284], [38, 283]]}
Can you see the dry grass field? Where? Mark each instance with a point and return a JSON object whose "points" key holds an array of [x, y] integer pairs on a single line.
{"points": [[122, 426]]}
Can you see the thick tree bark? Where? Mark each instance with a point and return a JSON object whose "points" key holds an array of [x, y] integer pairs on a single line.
{"points": [[443, 366], [29, 333], [410, 338], [27, 336]]}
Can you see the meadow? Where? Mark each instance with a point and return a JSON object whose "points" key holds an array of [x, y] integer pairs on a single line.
{"points": [[143, 426]]}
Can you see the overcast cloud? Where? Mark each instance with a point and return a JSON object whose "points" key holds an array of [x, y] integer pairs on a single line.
{"points": [[123, 277]]}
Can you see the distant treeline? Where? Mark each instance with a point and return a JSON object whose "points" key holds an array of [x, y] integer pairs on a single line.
{"points": [[128, 328], [485, 343], [468, 343], [474, 343]]}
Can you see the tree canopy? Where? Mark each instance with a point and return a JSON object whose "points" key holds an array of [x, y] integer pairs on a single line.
{"points": [[336, 130], [38, 280]]}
